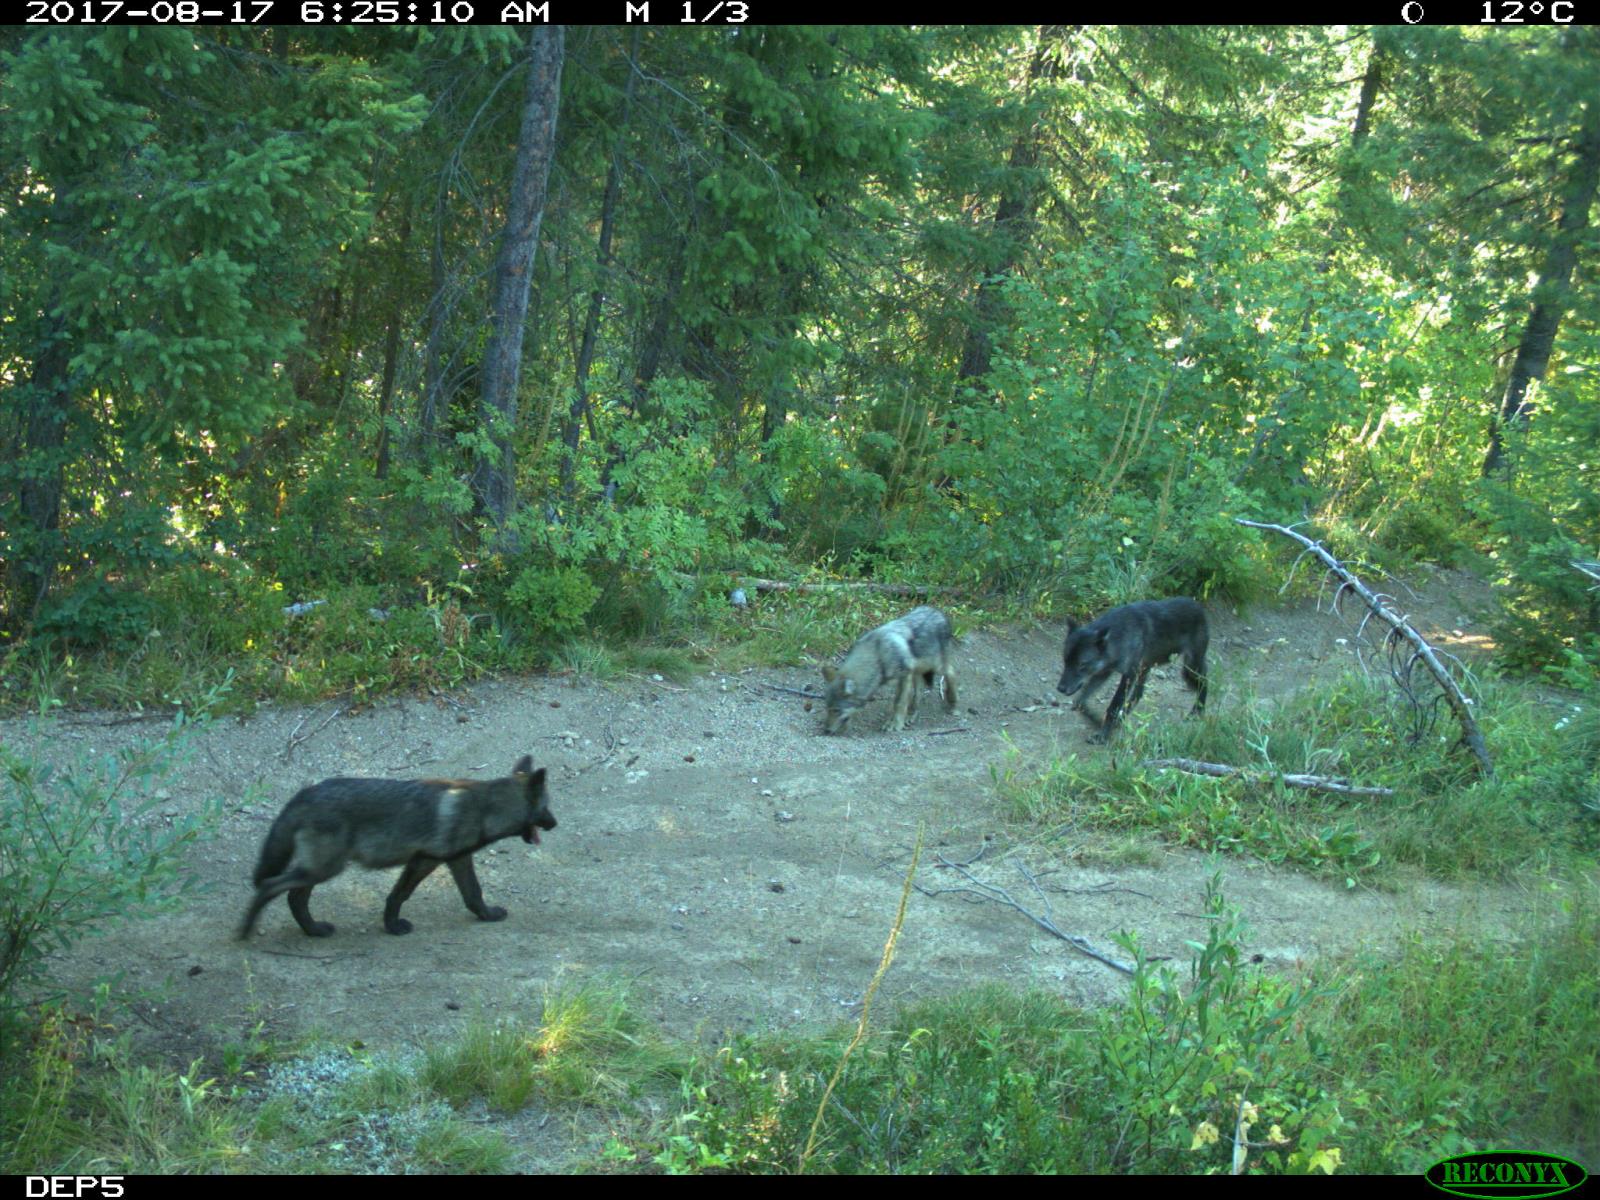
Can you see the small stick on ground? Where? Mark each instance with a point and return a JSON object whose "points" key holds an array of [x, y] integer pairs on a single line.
{"points": [[1315, 783], [789, 691]]}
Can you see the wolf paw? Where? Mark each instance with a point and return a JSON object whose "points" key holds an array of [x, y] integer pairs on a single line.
{"points": [[1100, 738], [320, 929], [492, 913], [397, 925]]}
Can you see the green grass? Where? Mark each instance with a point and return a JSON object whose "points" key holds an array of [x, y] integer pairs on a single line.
{"points": [[588, 1048], [1369, 1065], [1444, 820], [1376, 1063]]}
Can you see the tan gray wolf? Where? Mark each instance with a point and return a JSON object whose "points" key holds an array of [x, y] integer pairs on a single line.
{"points": [[1130, 640], [912, 646], [386, 822]]}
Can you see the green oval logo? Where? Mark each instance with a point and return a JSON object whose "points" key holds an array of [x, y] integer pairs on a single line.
{"points": [[1523, 1174]]}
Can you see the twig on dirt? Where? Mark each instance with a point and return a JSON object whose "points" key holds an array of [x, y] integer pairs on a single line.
{"points": [[324, 958], [295, 737], [129, 720], [966, 862], [1100, 889], [1425, 653], [957, 729], [1315, 783], [789, 691], [981, 890]]}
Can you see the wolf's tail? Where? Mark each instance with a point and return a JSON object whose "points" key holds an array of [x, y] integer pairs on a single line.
{"points": [[278, 849]]}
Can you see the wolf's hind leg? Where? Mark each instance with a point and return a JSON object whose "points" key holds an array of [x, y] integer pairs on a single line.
{"points": [[300, 906]]}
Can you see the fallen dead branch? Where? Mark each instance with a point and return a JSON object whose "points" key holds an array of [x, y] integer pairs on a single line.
{"points": [[1422, 651], [1591, 569], [982, 890], [886, 589], [1316, 783]]}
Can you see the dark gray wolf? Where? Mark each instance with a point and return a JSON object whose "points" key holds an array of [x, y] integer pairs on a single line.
{"points": [[1130, 640], [386, 822], [917, 644]]}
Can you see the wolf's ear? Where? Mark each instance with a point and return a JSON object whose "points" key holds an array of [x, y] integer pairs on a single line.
{"points": [[1104, 639], [524, 765], [536, 780], [1071, 625], [829, 672]]}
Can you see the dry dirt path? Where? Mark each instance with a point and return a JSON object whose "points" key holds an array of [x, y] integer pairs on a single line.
{"points": [[738, 869]]}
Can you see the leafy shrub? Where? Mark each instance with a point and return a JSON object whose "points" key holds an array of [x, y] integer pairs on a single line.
{"points": [[97, 613], [83, 846], [551, 603]]}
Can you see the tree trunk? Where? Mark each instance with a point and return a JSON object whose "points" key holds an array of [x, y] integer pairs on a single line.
{"points": [[1550, 296], [494, 475], [1013, 217], [391, 352], [578, 414], [43, 436]]}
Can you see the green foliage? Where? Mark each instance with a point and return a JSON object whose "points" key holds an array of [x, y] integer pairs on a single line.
{"points": [[1443, 819], [96, 613], [1185, 1068], [552, 603], [996, 1082], [1466, 1045], [1551, 613], [84, 845]]}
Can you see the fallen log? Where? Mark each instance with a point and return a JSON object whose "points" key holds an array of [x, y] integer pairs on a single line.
{"points": [[887, 589], [1471, 737], [1315, 783]]}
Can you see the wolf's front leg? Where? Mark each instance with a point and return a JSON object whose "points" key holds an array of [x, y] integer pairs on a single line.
{"points": [[467, 884]]}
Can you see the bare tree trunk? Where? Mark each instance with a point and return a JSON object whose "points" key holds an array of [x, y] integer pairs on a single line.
{"points": [[1013, 216], [1551, 295], [391, 352], [42, 437], [579, 413], [494, 475]]}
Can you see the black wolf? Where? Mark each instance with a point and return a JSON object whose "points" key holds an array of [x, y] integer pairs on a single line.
{"points": [[1130, 640], [915, 645], [388, 822]]}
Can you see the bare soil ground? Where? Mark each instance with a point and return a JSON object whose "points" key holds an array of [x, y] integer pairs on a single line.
{"points": [[738, 868]]}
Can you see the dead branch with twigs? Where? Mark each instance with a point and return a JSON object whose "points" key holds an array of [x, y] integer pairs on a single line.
{"points": [[1316, 783], [982, 891], [296, 737], [1591, 569], [1402, 635]]}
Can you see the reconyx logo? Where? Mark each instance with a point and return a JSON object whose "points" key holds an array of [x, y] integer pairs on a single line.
{"points": [[1518, 1173]]}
